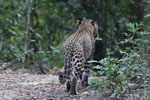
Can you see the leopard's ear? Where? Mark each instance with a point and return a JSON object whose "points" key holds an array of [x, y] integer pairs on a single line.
{"points": [[79, 22], [93, 22]]}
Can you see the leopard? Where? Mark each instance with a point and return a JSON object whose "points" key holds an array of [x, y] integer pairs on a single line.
{"points": [[78, 49]]}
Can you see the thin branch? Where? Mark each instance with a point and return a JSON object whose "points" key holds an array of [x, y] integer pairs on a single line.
{"points": [[13, 61]]}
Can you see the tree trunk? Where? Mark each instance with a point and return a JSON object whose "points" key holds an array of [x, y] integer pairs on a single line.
{"points": [[27, 28]]}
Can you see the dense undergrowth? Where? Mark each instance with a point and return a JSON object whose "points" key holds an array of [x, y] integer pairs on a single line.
{"points": [[118, 77]]}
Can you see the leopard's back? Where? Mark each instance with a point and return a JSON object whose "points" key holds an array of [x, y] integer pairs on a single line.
{"points": [[77, 49]]}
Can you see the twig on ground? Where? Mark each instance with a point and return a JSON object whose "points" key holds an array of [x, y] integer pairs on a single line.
{"points": [[43, 69]]}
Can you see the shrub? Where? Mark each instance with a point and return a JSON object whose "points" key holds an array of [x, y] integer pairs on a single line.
{"points": [[117, 76]]}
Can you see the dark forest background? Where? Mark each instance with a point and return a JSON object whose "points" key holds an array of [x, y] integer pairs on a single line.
{"points": [[44, 24]]}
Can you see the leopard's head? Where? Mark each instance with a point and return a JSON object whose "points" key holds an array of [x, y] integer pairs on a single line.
{"points": [[62, 78], [90, 24]]}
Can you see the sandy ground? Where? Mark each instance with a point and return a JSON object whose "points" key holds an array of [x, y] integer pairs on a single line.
{"points": [[25, 86], [22, 85]]}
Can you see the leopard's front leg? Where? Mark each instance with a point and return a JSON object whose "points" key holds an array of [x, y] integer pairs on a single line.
{"points": [[73, 88], [85, 74], [85, 79], [68, 85]]}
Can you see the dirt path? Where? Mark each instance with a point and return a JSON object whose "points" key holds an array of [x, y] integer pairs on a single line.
{"points": [[22, 85], [25, 86]]}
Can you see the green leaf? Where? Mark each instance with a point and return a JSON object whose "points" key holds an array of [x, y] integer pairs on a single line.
{"points": [[97, 67], [44, 59], [92, 61], [123, 76], [147, 16], [38, 35], [98, 38], [113, 83]]}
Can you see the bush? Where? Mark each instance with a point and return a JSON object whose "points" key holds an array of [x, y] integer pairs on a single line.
{"points": [[117, 76]]}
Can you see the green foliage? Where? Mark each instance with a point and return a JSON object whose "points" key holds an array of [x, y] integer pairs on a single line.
{"points": [[46, 33], [57, 56], [11, 31], [50, 20], [118, 75]]}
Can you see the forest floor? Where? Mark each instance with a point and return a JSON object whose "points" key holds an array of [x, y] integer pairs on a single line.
{"points": [[23, 85], [19, 85]]}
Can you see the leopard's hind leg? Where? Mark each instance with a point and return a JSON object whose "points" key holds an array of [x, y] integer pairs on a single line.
{"points": [[77, 64]]}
